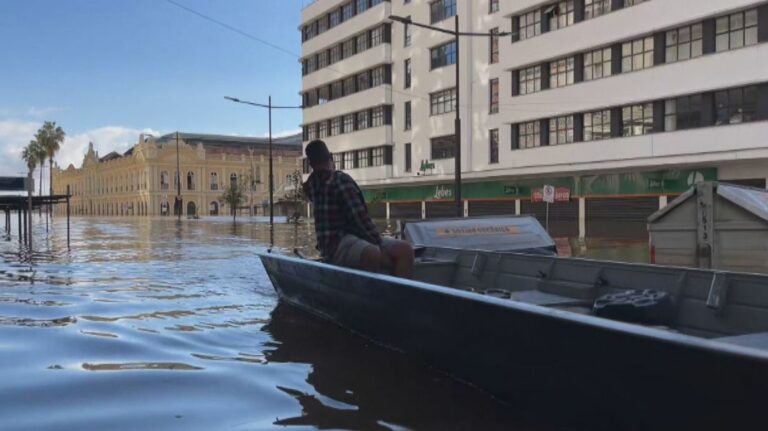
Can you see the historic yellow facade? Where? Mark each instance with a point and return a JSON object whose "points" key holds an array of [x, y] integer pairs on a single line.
{"points": [[142, 181]]}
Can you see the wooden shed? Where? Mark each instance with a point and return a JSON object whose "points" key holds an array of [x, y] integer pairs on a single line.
{"points": [[713, 225]]}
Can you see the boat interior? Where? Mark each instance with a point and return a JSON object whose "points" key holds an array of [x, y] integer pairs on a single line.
{"points": [[727, 306]]}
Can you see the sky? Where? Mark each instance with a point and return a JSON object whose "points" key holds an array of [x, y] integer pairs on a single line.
{"points": [[108, 70]]}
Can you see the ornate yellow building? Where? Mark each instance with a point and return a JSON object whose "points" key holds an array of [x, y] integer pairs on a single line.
{"points": [[142, 181]]}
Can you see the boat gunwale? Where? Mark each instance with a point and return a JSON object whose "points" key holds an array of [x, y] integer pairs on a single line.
{"points": [[710, 345]]}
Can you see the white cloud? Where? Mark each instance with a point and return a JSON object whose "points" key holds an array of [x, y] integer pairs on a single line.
{"points": [[42, 112], [15, 134], [284, 133]]}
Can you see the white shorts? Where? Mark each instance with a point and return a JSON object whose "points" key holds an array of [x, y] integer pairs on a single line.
{"points": [[350, 250]]}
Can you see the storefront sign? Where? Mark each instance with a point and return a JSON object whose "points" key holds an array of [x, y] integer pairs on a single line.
{"points": [[559, 194], [443, 192]]}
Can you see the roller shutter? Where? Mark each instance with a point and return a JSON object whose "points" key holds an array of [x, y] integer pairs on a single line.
{"points": [[491, 208], [619, 218], [563, 216], [441, 210], [405, 211], [377, 210]]}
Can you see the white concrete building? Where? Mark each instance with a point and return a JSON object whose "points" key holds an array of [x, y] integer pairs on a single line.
{"points": [[621, 104]]}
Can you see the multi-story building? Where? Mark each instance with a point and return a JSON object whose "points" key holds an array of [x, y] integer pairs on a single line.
{"points": [[620, 104], [143, 180]]}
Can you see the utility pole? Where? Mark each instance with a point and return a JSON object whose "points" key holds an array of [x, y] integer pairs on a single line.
{"points": [[178, 179], [457, 122]]}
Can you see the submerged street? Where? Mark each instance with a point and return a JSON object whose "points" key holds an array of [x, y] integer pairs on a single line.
{"points": [[159, 324]]}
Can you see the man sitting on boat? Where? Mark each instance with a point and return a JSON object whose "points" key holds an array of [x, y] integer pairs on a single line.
{"points": [[346, 236]]}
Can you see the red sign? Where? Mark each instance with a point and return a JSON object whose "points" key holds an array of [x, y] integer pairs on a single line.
{"points": [[562, 194]]}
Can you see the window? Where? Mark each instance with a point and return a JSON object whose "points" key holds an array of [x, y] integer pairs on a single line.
{"points": [[530, 24], [443, 55], [363, 81], [362, 5], [595, 8], [335, 54], [442, 102], [349, 123], [407, 68], [377, 156], [363, 160], [348, 11], [334, 18], [494, 96], [362, 120], [190, 180], [561, 72], [349, 85], [562, 15], [494, 6], [322, 60], [233, 180], [443, 147], [736, 30], [407, 34], [361, 42], [494, 46], [348, 47], [682, 113], [337, 90], [529, 134], [377, 116], [407, 114], [338, 162], [311, 133], [323, 95], [323, 129], [561, 130], [407, 157], [164, 180], [336, 126], [597, 125], [310, 64], [377, 36], [597, 64], [530, 80], [737, 105], [377, 77], [493, 146], [684, 43], [637, 119], [349, 160], [632, 2], [442, 9], [637, 55], [214, 181]]}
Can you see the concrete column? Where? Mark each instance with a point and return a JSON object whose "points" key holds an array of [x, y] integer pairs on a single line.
{"points": [[388, 210], [663, 200], [423, 210], [517, 206], [582, 218], [466, 208]]}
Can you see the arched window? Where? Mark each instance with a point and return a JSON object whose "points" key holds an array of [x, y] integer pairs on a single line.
{"points": [[214, 181], [190, 180], [233, 180], [164, 180]]}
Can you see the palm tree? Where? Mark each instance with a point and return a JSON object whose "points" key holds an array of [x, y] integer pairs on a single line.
{"points": [[32, 155], [234, 196], [50, 138], [40, 155]]}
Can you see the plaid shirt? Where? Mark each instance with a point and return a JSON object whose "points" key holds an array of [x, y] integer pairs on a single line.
{"points": [[339, 210]]}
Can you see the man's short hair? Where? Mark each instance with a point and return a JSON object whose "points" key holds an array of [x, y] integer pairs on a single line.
{"points": [[317, 153]]}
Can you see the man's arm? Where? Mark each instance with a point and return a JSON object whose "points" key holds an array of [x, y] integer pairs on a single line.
{"points": [[350, 195]]}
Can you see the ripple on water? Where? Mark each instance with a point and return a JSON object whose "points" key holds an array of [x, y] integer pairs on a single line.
{"points": [[155, 324]]}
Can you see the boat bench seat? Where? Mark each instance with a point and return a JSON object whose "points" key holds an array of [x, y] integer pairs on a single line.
{"points": [[758, 340], [537, 297], [566, 288]]}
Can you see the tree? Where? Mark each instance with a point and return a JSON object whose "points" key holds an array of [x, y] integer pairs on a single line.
{"points": [[40, 155], [32, 156], [234, 196], [50, 137], [295, 194]]}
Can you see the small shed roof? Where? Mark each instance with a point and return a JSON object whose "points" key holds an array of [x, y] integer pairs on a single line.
{"points": [[751, 199]]}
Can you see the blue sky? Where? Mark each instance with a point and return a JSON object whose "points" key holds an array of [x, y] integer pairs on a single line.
{"points": [[107, 69]]}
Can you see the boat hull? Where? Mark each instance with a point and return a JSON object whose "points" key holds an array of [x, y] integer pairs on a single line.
{"points": [[577, 370]]}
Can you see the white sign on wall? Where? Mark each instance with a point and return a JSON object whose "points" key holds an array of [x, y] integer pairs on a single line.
{"points": [[549, 194]]}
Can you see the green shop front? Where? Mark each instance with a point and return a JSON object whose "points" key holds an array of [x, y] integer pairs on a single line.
{"points": [[613, 205]]}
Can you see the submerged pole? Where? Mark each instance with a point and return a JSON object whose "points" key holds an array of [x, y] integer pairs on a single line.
{"points": [[68, 246], [30, 190]]}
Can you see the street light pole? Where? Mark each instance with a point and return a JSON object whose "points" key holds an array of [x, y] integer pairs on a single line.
{"points": [[178, 203], [271, 185], [457, 122]]}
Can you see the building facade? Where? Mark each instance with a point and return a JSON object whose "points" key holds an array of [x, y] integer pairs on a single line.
{"points": [[143, 180], [619, 104]]}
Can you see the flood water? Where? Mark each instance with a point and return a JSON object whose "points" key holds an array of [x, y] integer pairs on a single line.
{"points": [[159, 324]]}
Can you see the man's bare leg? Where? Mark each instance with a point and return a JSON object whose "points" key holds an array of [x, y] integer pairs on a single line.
{"points": [[398, 257]]}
